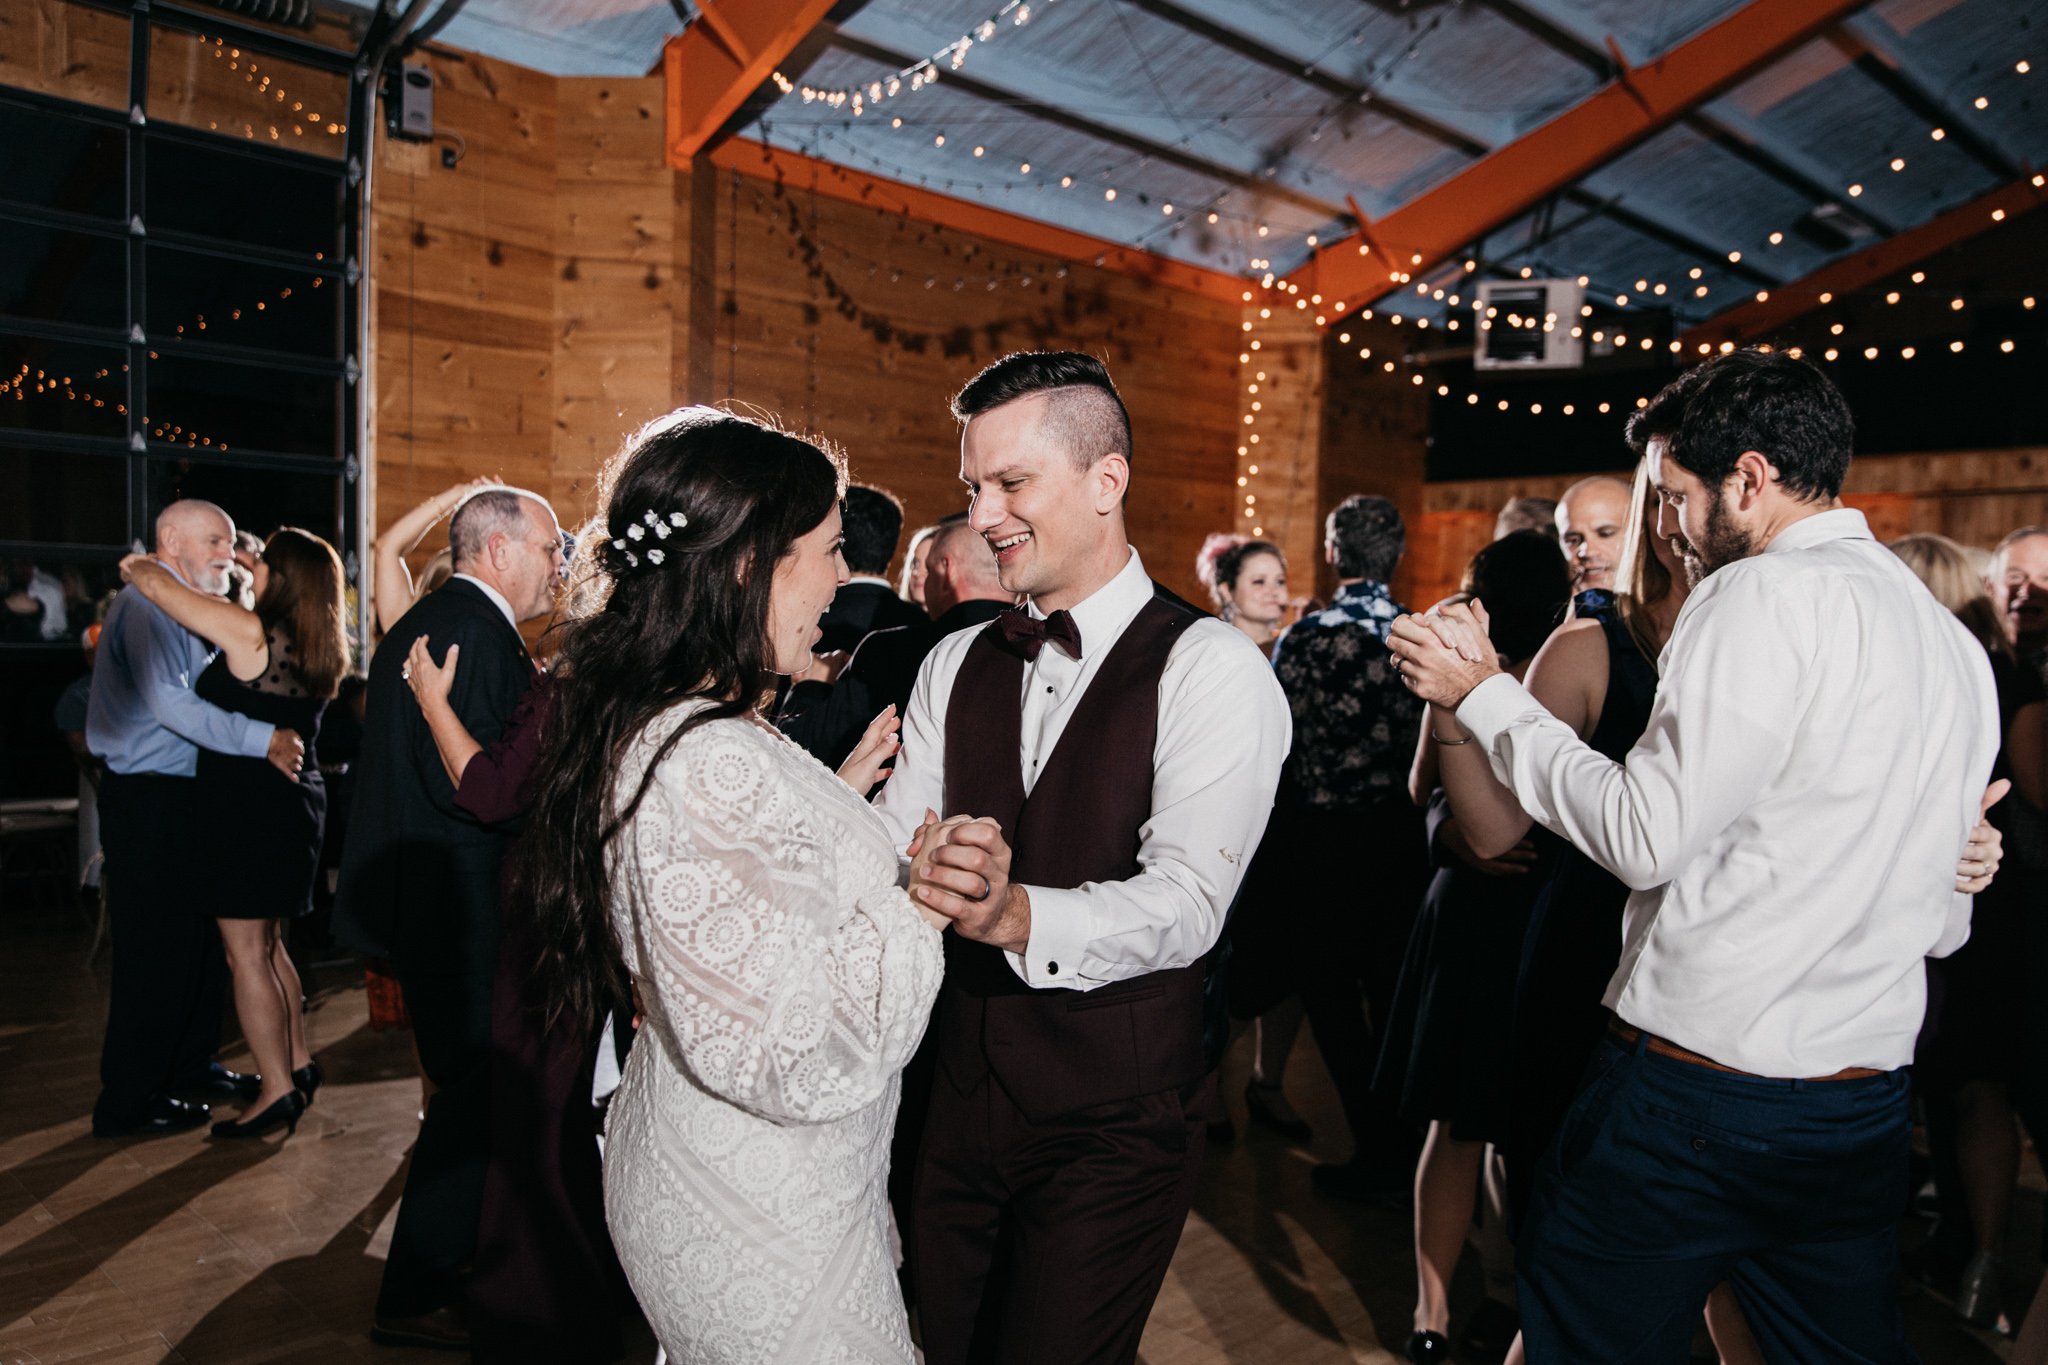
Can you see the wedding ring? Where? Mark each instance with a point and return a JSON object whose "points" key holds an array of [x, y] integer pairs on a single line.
{"points": [[986, 888], [405, 673]]}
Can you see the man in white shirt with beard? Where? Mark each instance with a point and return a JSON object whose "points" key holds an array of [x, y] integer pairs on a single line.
{"points": [[1790, 822]]}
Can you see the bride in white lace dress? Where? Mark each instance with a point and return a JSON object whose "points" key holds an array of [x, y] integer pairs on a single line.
{"points": [[785, 982], [783, 976]]}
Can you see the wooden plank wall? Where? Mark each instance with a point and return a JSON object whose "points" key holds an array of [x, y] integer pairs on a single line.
{"points": [[861, 325], [1375, 439], [559, 286], [1974, 496], [68, 51], [464, 267], [535, 306], [616, 277]]}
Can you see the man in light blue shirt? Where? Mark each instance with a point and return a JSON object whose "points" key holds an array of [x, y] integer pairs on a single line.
{"points": [[147, 725]]}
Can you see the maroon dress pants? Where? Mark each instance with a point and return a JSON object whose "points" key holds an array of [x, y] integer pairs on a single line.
{"points": [[1048, 1241]]}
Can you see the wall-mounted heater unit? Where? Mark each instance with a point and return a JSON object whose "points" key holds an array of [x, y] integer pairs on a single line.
{"points": [[1527, 325]]}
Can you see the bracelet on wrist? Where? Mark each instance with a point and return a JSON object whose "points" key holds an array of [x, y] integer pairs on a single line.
{"points": [[1448, 743]]}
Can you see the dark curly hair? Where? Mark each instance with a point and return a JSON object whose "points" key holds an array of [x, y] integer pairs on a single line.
{"points": [[1766, 401], [1230, 563], [685, 616]]}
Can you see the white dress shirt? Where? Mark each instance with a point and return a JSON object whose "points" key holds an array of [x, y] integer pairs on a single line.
{"points": [[1223, 733], [1791, 819]]}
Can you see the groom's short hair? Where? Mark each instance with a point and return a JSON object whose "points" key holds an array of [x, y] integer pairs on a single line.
{"points": [[1086, 415]]}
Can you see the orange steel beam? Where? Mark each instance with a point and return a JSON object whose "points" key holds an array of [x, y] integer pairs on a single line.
{"points": [[1516, 177], [800, 172], [723, 57], [1870, 265]]}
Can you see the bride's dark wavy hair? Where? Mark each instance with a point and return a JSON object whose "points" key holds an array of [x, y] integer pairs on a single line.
{"points": [[682, 615]]}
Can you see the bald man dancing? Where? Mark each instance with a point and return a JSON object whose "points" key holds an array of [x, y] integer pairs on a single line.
{"points": [[1591, 516], [163, 1009]]}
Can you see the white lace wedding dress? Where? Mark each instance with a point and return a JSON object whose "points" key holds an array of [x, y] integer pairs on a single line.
{"points": [[785, 980]]}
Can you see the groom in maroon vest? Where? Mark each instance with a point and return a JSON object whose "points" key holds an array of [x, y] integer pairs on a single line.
{"points": [[1118, 752]]}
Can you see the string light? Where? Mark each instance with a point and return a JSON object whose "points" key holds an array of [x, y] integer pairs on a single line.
{"points": [[220, 51], [919, 75]]}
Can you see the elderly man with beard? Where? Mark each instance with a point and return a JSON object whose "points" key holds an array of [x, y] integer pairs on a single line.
{"points": [[1790, 825], [147, 725]]}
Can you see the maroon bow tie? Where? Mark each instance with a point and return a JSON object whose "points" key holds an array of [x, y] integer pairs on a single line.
{"points": [[1024, 634]]}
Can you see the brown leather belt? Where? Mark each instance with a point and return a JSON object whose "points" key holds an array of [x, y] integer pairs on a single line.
{"points": [[1664, 1047]]}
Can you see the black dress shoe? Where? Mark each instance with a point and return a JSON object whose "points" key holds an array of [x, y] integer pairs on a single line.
{"points": [[162, 1115], [1256, 1097], [1424, 1348], [219, 1081], [285, 1111], [444, 1329], [306, 1079]]}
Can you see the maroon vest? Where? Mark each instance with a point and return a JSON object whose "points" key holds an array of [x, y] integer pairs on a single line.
{"points": [[1059, 1050]]}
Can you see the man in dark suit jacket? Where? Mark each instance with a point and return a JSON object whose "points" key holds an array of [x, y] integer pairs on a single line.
{"points": [[872, 524], [419, 884], [961, 590]]}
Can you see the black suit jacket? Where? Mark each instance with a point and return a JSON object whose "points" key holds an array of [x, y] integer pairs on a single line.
{"points": [[858, 609], [419, 877], [828, 720]]}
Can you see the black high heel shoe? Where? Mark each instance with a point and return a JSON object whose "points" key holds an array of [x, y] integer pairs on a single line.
{"points": [[285, 1111], [307, 1079], [1427, 1347]]}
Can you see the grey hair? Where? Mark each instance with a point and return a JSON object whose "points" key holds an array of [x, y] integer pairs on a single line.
{"points": [[182, 512], [484, 514]]}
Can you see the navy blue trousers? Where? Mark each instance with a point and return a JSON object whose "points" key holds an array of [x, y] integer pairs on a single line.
{"points": [[1668, 1178]]}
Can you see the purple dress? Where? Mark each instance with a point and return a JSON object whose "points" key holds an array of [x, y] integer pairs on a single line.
{"points": [[547, 1284]]}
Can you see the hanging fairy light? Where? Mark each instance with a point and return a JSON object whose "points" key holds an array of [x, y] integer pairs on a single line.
{"points": [[919, 74]]}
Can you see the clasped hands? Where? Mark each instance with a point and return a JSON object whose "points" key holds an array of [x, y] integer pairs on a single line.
{"points": [[1445, 652], [960, 879]]}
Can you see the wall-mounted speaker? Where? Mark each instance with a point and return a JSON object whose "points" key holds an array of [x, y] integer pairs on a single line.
{"points": [[409, 102]]}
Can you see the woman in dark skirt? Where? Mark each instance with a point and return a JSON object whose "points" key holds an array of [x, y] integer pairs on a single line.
{"points": [[1980, 1062], [1445, 1054], [280, 663], [1247, 582], [547, 1285]]}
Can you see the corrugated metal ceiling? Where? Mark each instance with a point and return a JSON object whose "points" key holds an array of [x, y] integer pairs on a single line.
{"points": [[1266, 114]]}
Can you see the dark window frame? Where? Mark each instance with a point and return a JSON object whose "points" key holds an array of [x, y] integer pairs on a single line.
{"points": [[341, 267]]}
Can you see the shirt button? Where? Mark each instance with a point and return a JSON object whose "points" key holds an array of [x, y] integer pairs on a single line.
{"points": [[1699, 1144], [1048, 687], [1052, 969]]}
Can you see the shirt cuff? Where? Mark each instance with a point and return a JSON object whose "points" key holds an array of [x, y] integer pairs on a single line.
{"points": [[1060, 932], [1493, 706], [257, 743]]}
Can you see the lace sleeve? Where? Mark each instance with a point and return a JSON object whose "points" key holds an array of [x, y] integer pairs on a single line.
{"points": [[775, 991]]}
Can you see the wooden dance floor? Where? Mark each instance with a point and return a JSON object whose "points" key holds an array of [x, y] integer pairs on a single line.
{"points": [[182, 1249]]}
